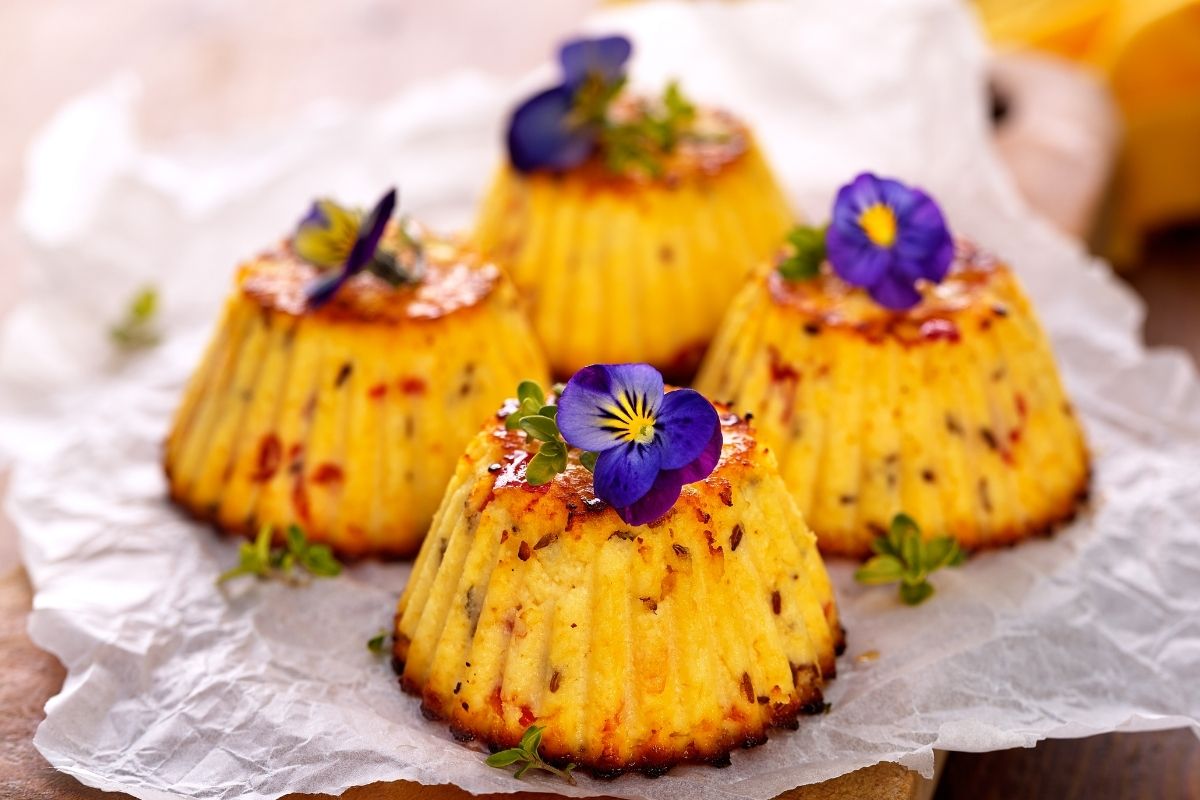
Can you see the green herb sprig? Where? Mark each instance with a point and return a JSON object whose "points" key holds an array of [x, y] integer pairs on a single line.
{"points": [[641, 141], [260, 559], [537, 419], [138, 329], [807, 245], [378, 644], [400, 259], [904, 557], [526, 757]]}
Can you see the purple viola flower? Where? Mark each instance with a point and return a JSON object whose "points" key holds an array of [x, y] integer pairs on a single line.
{"points": [[370, 232], [549, 130], [543, 135], [650, 443], [885, 237], [602, 59]]}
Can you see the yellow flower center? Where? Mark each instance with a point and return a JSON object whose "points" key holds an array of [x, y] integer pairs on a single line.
{"points": [[879, 223], [632, 419]]}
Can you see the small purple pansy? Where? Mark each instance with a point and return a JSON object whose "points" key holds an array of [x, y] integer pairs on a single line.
{"points": [[321, 221], [547, 131], [601, 59], [650, 442], [886, 236]]}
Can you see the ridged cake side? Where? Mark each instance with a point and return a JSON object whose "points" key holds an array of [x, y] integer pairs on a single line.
{"points": [[952, 412], [347, 420], [636, 648], [622, 270]]}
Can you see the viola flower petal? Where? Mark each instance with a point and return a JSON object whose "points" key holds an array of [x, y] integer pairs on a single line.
{"points": [[650, 444], [603, 57], [654, 503], [365, 245], [703, 464], [371, 232], [853, 257], [542, 135], [326, 235], [886, 236], [925, 246], [624, 474], [894, 292], [685, 424], [323, 290], [590, 410], [860, 194], [670, 482]]}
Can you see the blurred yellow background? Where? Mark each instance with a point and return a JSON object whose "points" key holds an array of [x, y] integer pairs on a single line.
{"points": [[1148, 54]]}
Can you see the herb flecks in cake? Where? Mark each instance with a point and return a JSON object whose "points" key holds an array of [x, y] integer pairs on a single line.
{"points": [[907, 372], [588, 115], [903, 556], [346, 419], [524, 599]]}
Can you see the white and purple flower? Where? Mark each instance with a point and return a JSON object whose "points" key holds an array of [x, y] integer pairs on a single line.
{"points": [[886, 237], [650, 442]]}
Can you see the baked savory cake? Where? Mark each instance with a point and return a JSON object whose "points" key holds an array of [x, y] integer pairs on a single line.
{"points": [[636, 647], [631, 248], [346, 418], [950, 410]]}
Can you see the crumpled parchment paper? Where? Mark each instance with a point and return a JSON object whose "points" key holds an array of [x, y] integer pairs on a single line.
{"points": [[177, 689]]}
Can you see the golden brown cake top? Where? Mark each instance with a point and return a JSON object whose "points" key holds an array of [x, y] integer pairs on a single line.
{"points": [[713, 141], [455, 278], [978, 288], [573, 488]]}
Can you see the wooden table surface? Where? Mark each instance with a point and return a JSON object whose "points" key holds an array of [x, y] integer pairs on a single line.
{"points": [[217, 67]]}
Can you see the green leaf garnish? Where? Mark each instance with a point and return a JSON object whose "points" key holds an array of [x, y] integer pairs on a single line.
{"points": [[539, 427], [537, 419], [527, 757], [400, 258], [377, 644], [642, 141], [807, 253], [137, 328], [532, 391], [260, 559], [588, 459], [903, 557]]}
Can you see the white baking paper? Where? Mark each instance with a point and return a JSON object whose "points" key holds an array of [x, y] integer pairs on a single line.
{"points": [[175, 688]]}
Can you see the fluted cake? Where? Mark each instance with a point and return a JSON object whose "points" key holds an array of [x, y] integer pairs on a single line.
{"points": [[951, 411], [345, 419], [632, 266], [635, 647]]}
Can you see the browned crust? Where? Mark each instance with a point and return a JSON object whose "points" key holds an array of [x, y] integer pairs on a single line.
{"points": [[1071, 506], [978, 292], [652, 763], [573, 488], [724, 141], [455, 279], [249, 529]]}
